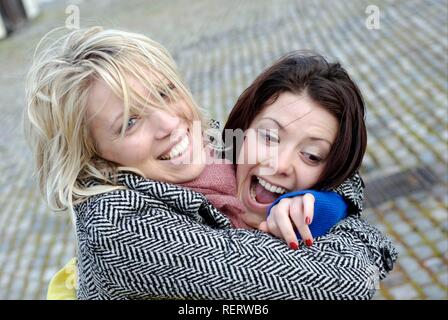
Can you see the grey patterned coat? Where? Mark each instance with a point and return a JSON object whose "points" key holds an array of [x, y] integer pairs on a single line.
{"points": [[158, 240]]}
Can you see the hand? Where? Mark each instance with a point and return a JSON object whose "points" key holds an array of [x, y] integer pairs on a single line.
{"points": [[290, 212]]}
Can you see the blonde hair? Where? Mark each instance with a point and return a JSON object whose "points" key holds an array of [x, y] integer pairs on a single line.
{"points": [[57, 90]]}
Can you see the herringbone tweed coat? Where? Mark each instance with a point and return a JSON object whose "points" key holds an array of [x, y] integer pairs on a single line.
{"points": [[158, 240]]}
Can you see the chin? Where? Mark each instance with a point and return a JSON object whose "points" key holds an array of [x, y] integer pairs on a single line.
{"points": [[191, 172]]}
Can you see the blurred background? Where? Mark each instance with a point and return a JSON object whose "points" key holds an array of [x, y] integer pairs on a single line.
{"points": [[395, 50]]}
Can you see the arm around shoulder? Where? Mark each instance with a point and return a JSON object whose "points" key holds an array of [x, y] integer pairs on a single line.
{"points": [[135, 248]]}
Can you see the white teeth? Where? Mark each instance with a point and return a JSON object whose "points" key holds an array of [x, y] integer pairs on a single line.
{"points": [[270, 187], [177, 150]]}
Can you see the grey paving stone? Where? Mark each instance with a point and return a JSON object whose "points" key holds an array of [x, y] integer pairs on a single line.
{"points": [[421, 277], [402, 251], [402, 228], [412, 239], [444, 226], [423, 252], [424, 224], [394, 219], [394, 279], [435, 292], [435, 264], [403, 203], [435, 235], [412, 213], [439, 214], [409, 264], [443, 277], [442, 245], [404, 292]]}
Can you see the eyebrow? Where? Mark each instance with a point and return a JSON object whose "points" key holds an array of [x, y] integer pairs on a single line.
{"points": [[283, 128], [272, 119], [319, 139]]}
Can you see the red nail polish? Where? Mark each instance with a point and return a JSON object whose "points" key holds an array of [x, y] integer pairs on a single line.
{"points": [[307, 220], [293, 245], [309, 242]]}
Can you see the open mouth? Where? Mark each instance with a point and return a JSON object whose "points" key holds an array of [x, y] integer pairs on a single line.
{"points": [[264, 192], [177, 150]]}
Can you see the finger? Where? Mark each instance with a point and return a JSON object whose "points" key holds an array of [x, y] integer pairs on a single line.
{"points": [[296, 211], [297, 214], [308, 207], [281, 207], [286, 228], [284, 224], [306, 235], [271, 223]]}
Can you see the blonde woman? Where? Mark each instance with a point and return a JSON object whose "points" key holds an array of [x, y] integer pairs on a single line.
{"points": [[102, 109]]}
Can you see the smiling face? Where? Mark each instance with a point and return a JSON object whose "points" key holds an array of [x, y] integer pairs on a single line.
{"points": [[160, 144], [296, 135]]}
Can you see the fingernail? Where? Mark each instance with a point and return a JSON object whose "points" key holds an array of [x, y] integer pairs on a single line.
{"points": [[309, 242], [307, 220], [293, 245]]}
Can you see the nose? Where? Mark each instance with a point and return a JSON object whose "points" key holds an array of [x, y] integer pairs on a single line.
{"points": [[285, 162], [166, 123]]}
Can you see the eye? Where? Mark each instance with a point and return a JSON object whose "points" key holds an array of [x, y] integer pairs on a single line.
{"points": [[131, 123], [268, 136], [164, 93], [311, 158]]}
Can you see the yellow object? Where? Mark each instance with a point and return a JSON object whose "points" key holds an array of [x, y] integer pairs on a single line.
{"points": [[63, 284]]}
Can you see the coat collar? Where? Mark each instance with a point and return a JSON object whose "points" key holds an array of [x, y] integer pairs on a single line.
{"points": [[181, 199]]}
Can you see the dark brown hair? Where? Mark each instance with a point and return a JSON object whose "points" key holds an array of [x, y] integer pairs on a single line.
{"points": [[327, 84]]}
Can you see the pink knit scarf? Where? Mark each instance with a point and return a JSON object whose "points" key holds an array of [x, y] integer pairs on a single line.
{"points": [[218, 183]]}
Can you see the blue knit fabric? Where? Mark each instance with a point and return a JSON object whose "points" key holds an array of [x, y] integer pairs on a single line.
{"points": [[329, 209]]}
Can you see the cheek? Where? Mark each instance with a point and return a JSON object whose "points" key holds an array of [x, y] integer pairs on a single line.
{"points": [[130, 151], [242, 178], [253, 150], [309, 176], [242, 155], [246, 160], [242, 171]]}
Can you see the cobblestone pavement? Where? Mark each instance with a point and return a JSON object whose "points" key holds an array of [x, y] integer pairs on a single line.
{"points": [[220, 46]]}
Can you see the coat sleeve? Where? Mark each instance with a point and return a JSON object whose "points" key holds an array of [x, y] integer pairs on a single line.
{"points": [[157, 253], [352, 190]]}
